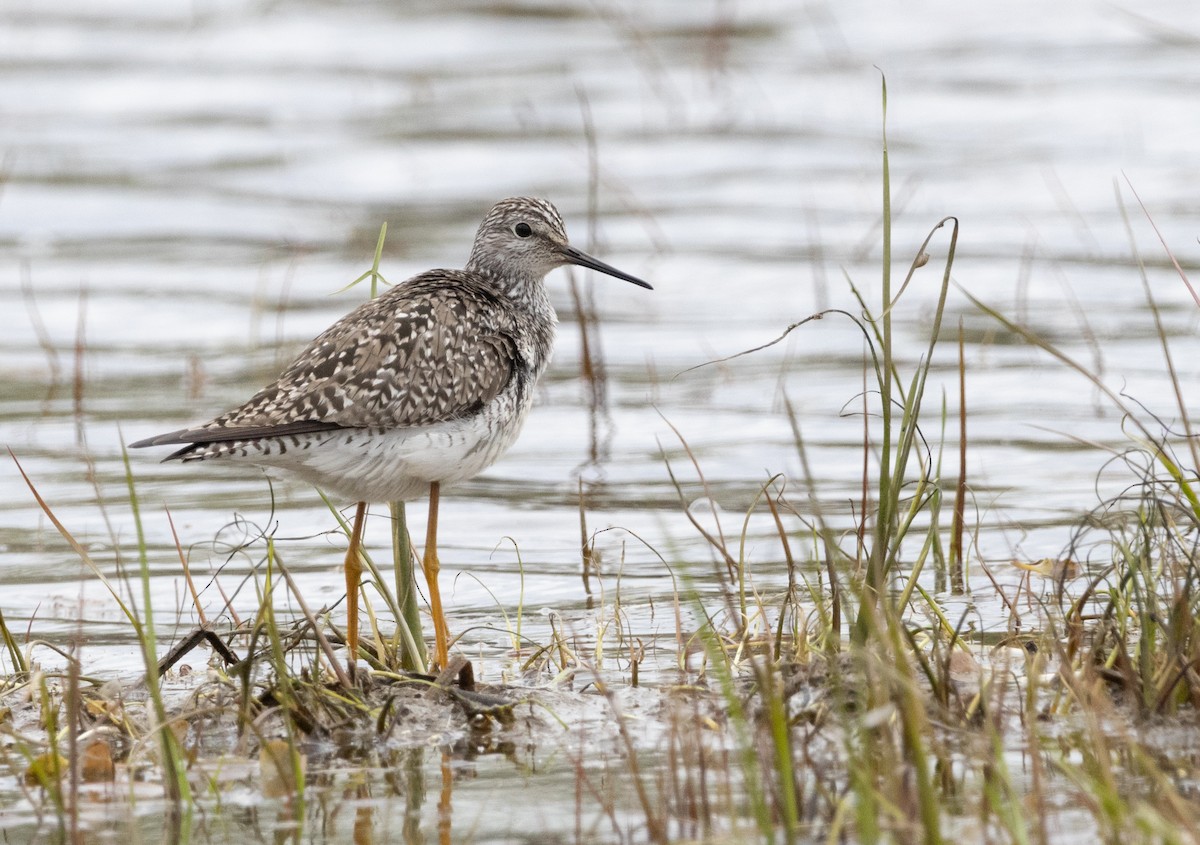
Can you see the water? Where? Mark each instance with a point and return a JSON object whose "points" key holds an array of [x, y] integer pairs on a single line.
{"points": [[190, 184]]}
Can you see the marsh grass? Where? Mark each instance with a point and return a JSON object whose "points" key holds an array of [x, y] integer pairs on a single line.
{"points": [[827, 689], [928, 730]]}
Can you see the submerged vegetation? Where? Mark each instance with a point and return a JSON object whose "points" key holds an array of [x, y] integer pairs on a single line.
{"points": [[835, 688]]}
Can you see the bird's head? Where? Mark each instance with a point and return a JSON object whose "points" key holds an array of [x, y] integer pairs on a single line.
{"points": [[523, 238]]}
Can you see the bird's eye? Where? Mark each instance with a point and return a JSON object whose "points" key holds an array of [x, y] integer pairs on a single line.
{"points": [[522, 230]]}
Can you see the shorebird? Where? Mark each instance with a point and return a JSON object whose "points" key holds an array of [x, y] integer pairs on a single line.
{"points": [[426, 385]]}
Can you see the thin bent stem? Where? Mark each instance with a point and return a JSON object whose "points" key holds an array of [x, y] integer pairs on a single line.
{"points": [[412, 651]]}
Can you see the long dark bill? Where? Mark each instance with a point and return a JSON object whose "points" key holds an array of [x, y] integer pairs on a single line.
{"points": [[578, 256]]}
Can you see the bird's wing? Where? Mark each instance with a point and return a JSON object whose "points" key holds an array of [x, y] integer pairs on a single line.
{"points": [[434, 349]]}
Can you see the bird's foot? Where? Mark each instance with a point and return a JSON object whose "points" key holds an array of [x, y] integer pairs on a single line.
{"points": [[458, 670]]}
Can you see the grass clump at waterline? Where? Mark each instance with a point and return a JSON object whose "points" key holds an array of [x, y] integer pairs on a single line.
{"points": [[834, 688]]}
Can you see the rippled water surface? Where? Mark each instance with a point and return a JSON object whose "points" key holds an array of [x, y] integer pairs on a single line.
{"points": [[189, 186]]}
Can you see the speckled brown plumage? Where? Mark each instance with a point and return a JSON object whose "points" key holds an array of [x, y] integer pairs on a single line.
{"points": [[437, 348]]}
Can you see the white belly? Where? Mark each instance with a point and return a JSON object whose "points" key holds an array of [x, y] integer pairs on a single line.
{"points": [[388, 465]]}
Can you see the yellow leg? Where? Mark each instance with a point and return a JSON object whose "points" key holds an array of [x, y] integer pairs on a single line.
{"points": [[431, 566], [353, 576]]}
